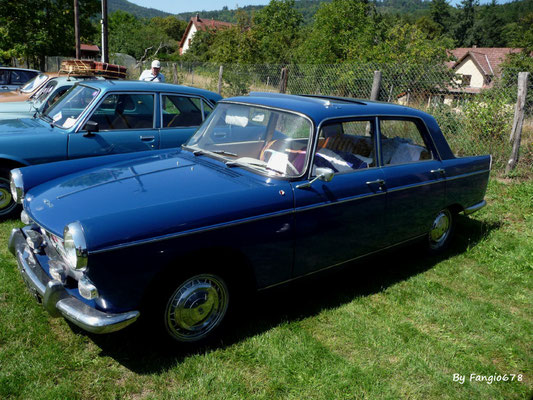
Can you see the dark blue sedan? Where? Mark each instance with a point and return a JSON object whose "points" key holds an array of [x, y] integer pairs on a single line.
{"points": [[271, 188], [98, 117]]}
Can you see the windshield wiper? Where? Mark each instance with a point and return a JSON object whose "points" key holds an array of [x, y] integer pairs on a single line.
{"points": [[199, 152], [225, 153], [251, 163]]}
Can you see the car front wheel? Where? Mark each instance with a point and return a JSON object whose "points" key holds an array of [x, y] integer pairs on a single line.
{"points": [[8, 207], [441, 231], [196, 308]]}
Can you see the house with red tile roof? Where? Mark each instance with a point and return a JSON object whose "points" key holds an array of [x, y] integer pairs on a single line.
{"points": [[477, 67], [200, 24]]}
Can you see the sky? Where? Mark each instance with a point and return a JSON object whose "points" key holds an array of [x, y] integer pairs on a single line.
{"points": [[179, 6]]}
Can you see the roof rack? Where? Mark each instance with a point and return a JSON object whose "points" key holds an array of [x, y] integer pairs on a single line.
{"points": [[92, 68]]}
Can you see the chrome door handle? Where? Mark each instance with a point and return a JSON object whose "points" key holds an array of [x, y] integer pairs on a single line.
{"points": [[438, 171], [147, 138], [379, 182]]}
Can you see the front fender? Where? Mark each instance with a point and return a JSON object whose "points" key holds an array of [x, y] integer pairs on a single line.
{"points": [[11, 161]]}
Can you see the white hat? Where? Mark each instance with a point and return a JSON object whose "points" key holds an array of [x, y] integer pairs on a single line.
{"points": [[156, 64]]}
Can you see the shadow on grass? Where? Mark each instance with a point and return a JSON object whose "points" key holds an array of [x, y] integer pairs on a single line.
{"points": [[138, 351]]}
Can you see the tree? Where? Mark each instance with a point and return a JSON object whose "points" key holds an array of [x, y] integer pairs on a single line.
{"points": [[342, 30], [276, 30], [440, 14], [491, 26], [34, 29], [140, 38], [464, 31]]}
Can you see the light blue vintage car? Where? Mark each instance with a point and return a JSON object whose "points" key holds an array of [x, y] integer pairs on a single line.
{"points": [[41, 100], [271, 188], [96, 118]]}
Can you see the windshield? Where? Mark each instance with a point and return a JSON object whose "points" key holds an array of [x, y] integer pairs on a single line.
{"points": [[66, 112], [34, 83], [272, 141]]}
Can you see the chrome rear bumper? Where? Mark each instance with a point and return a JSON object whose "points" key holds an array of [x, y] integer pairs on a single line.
{"points": [[475, 207], [55, 298]]}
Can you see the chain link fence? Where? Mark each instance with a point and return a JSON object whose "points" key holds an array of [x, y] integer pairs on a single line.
{"points": [[474, 120]]}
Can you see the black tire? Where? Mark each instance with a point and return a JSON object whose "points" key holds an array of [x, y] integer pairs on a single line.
{"points": [[8, 208], [441, 232], [191, 308]]}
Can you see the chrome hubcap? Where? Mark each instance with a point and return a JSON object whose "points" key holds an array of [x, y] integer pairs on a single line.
{"points": [[5, 198], [196, 307], [440, 229]]}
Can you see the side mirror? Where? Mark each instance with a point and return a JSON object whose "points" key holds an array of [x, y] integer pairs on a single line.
{"points": [[323, 174], [91, 127]]}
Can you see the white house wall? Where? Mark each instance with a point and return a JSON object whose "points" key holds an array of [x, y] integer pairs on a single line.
{"points": [[468, 67], [190, 35]]}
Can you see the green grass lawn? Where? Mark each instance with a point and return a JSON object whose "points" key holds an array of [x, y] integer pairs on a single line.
{"points": [[397, 326]]}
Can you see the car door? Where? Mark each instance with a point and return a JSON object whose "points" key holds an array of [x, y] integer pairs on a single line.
{"points": [[340, 220], [126, 123], [414, 178], [181, 115]]}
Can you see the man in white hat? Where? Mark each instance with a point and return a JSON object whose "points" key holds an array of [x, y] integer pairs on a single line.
{"points": [[153, 75]]}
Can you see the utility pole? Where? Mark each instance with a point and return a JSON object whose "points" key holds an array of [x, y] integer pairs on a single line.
{"points": [[105, 50], [77, 29]]}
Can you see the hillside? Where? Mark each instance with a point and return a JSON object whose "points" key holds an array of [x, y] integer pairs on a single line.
{"points": [[138, 11]]}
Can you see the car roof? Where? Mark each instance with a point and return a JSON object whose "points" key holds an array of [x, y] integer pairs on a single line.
{"points": [[20, 69], [107, 85], [319, 107]]}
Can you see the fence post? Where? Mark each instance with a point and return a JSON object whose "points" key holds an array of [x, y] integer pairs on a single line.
{"points": [[174, 73], [376, 85], [220, 71], [283, 80], [516, 132]]}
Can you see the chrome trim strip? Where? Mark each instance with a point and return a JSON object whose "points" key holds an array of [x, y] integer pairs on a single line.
{"points": [[452, 178], [193, 231], [415, 185], [475, 207], [344, 262], [346, 200]]}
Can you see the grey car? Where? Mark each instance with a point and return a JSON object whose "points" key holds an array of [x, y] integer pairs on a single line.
{"points": [[13, 78]]}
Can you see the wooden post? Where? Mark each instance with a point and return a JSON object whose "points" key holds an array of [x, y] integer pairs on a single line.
{"points": [[220, 71], [77, 29], [175, 73], [516, 132], [283, 80], [376, 85]]}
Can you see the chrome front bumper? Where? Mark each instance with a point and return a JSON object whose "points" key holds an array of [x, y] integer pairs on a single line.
{"points": [[55, 298]]}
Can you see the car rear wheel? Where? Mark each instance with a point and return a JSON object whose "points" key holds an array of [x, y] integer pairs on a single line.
{"points": [[8, 207], [196, 308], [441, 231]]}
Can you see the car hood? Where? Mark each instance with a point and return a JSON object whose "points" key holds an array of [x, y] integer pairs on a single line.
{"points": [[153, 197], [15, 106], [6, 97], [23, 125]]}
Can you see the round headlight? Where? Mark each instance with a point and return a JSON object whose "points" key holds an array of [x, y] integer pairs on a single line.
{"points": [[17, 186], [75, 246]]}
